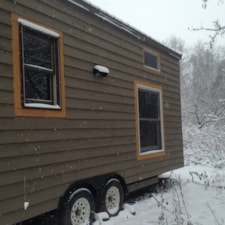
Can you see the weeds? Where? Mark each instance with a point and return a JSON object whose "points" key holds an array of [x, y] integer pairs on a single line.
{"points": [[178, 209], [214, 216], [176, 212], [202, 177]]}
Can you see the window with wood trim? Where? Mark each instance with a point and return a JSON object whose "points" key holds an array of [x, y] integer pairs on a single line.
{"points": [[38, 69], [149, 120], [151, 60]]}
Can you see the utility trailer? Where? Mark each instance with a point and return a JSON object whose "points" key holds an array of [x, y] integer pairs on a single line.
{"points": [[89, 110]]}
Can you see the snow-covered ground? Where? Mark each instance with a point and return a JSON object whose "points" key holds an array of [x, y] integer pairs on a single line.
{"points": [[196, 198], [197, 193]]}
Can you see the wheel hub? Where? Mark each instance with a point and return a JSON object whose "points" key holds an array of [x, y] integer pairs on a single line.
{"points": [[112, 199], [80, 212]]}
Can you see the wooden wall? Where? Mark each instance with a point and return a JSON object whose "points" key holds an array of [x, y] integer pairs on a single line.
{"points": [[41, 157]]}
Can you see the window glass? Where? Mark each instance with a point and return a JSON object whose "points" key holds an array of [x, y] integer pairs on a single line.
{"points": [[40, 77], [151, 60], [37, 49], [148, 104], [150, 135], [38, 85], [149, 119]]}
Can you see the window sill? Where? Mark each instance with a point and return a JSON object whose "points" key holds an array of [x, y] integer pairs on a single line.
{"points": [[153, 70], [151, 154], [41, 106], [37, 110]]}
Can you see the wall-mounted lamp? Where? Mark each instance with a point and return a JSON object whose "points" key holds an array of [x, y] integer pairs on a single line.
{"points": [[100, 71]]}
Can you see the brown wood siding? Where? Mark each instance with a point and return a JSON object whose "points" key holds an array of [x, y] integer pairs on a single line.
{"points": [[98, 134]]}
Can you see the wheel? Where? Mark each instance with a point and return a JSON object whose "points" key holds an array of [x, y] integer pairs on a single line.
{"points": [[78, 208], [112, 197]]}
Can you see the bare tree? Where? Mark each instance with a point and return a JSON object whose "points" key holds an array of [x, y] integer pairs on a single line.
{"points": [[202, 83], [217, 29]]}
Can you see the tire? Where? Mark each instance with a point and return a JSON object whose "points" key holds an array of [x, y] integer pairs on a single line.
{"points": [[78, 208], [112, 197]]}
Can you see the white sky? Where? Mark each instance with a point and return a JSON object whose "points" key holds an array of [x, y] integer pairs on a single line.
{"points": [[161, 19]]}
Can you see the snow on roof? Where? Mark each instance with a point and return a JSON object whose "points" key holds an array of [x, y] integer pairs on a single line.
{"points": [[87, 6], [113, 21], [38, 28], [79, 5]]}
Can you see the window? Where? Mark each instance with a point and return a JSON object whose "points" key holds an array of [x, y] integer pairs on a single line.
{"points": [[149, 120], [38, 69], [151, 60]]}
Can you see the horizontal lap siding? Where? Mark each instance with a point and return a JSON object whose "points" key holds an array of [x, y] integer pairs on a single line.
{"points": [[6, 76], [21, 214], [98, 133], [172, 115]]}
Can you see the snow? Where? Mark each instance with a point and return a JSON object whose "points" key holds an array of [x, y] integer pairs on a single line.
{"points": [[194, 194], [26, 205], [114, 22], [41, 106], [196, 198], [101, 69], [38, 28], [79, 5]]}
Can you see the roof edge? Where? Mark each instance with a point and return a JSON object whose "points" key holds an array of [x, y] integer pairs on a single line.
{"points": [[89, 7]]}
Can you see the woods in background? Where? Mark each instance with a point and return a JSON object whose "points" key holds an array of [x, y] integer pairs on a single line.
{"points": [[203, 101], [202, 82]]}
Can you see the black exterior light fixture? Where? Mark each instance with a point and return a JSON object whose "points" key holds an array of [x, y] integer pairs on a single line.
{"points": [[100, 71]]}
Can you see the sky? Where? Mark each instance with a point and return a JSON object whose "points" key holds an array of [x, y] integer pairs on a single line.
{"points": [[161, 19]]}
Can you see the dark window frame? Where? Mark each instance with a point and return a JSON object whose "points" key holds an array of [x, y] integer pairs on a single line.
{"points": [[52, 72]]}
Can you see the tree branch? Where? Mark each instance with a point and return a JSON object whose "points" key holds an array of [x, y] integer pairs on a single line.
{"points": [[217, 30]]}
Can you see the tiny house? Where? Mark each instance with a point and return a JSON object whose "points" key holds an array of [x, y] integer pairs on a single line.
{"points": [[89, 110]]}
